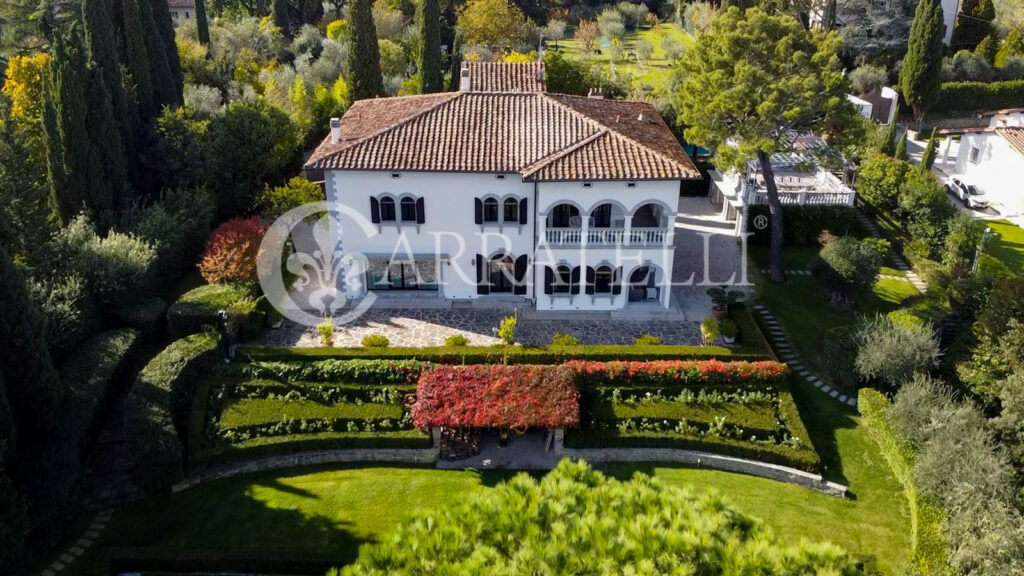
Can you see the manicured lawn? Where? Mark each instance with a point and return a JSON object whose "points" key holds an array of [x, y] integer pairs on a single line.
{"points": [[655, 71], [1009, 247]]}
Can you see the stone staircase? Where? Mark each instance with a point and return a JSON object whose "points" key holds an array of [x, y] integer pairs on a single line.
{"points": [[898, 262]]}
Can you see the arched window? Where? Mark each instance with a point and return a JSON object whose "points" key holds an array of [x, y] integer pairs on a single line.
{"points": [[511, 210], [563, 216], [490, 210], [603, 280], [563, 279], [408, 209], [387, 209]]}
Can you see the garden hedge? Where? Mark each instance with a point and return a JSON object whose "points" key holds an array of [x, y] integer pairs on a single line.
{"points": [[198, 308], [803, 224], [504, 354], [52, 481], [926, 518], [964, 96], [157, 412], [146, 315]]}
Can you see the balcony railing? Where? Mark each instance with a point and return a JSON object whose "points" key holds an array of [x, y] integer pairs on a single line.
{"points": [[607, 236]]}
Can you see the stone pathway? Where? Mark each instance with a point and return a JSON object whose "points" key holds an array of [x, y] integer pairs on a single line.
{"points": [[430, 327], [786, 353], [897, 260], [79, 547]]}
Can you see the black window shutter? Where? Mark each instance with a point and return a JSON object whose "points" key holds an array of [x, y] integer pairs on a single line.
{"points": [[617, 281], [522, 211], [520, 287], [591, 277], [374, 210], [574, 283], [419, 211], [482, 287], [549, 280], [478, 211]]}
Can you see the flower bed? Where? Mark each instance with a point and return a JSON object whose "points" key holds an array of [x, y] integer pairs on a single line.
{"points": [[496, 396]]}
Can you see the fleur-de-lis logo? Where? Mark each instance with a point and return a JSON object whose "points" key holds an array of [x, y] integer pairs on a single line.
{"points": [[305, 243]]}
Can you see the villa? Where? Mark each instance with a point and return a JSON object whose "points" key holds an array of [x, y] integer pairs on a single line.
{"points": [[503, 192]]}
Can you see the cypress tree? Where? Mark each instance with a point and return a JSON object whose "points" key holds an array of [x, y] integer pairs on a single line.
{"points": [[920, 74], [202, 24], [431, 78], [928, 158], [987, 49], [12, 506], [106, 138], [312, 11], [455, 64], [364, 53], [164, 91], [901, 148], [79, 181], [32, 385], [279, 15], [138, 58], [1012, 45], [165, 25], [888, 146]]}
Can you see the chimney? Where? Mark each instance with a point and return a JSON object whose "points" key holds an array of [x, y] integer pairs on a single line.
{"points": [[464, 79], [540, 72], [595, 94], [335, 130]]}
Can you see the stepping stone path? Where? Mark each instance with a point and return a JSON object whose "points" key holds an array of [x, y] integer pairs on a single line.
{"points": [[83, 544], [897, 260], [779, 343]]}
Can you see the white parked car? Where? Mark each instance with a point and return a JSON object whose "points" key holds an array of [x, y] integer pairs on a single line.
{"points": [[969, 194]]}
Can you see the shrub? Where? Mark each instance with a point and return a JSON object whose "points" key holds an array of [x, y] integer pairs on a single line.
{"points": [[893, 352], [118, 269], [326, 331], [144, 315], [70, 314], [564, 340], [967, 96], [868, 78], [647, 340], [507, 330], [278, 200], [709, 331], [199, 307], [728, 328], [232, 250], [337, 30], [848, 264], [177, 226], [159, 405], [839, 349], [456, 340], [375, 341]]}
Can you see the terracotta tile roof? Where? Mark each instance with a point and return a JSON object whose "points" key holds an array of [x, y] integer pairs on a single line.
{"points": [[505, 76], [1013, 135], [541, 136]]}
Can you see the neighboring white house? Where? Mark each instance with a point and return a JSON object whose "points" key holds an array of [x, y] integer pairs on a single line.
{"points": [[181, 10], [503, 192], [799, 178], [992, 158]]}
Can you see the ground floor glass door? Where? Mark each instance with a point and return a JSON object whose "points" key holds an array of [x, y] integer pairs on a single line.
{"points": [[402, 275]]}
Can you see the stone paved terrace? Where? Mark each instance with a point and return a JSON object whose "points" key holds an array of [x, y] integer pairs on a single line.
{"points": [[429, 327]]}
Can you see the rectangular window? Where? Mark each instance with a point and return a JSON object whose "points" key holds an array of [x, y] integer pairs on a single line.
{"points": [[563, 280], [975, 154]]}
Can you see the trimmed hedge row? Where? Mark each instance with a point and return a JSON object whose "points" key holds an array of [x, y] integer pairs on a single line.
{"points": [[158, 407], [283, 445], [678, 373], [340, 370], [803, 224], [198, 308], [53, 480], [926, 518], [962, 96], [502, 354]]}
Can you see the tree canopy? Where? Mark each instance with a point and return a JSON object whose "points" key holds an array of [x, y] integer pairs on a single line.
{"points": [[497, 23], [920, 76], [576, 521]]}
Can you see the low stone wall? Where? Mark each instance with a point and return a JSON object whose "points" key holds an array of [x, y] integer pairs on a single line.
{"points": [[371, 455], [708, 460]]}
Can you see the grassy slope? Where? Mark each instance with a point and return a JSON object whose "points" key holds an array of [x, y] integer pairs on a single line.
{"points": [[1009, 248], [655, 71]]}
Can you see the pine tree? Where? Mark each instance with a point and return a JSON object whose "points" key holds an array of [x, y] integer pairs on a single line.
{"points": [[202, 24], [973, 23], [32, 384], [279, 15], [928, 158], [137, 58], [455, 65], [987, 48], [165, 25], [888, 146], [920, 74], [78, 182], [901, 148], [1012, 45], [118, 146], [431, 78], [364, 53], [165, 92]]}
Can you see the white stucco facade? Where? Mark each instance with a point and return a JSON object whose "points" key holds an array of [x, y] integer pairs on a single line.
{"points": [[987, 160], [625, 227]]}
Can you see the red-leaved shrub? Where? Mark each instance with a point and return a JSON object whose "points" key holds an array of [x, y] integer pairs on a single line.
{"points": [[482, 396], [668, 372], [231, 252]]}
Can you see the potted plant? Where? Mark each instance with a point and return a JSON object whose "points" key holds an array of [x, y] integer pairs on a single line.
{"points": [[721, 299], [728, 329], [708, 331]]}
